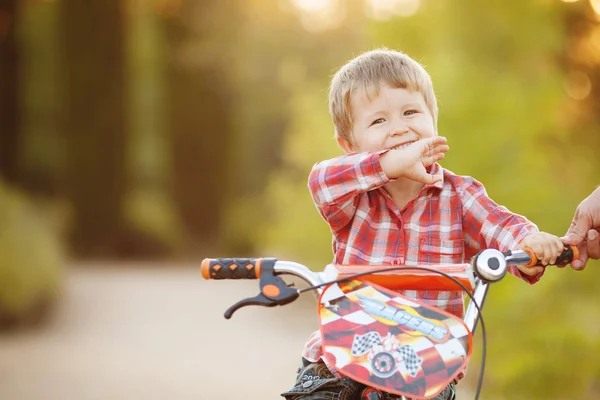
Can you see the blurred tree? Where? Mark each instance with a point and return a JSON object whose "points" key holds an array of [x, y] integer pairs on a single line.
{"points": [[580, 59], [286, 56], [93, 34], [199, 111], [291, 227], [41, 87], [269, 65], [9, 91]]}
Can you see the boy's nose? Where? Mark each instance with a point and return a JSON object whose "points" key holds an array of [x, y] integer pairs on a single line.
{"points": [[399, 129]]}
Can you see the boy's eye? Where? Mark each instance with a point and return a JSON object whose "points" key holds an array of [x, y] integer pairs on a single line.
{"points": [[411, 112], [377, 121]]}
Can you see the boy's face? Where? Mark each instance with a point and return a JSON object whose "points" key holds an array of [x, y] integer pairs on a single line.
{"points": [[395, 117]]}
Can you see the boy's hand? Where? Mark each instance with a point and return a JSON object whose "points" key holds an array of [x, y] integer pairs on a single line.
{"points": [[410, 162], [546, 247]]}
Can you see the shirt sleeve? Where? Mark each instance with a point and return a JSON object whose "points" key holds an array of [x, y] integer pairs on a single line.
{"points": [[489, 225], [336, 184]]}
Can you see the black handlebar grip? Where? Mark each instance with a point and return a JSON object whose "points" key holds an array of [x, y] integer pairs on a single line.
{"points": [[568, 254], [231, 268]]}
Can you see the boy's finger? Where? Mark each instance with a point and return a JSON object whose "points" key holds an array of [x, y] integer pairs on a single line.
{"points": [[429, 160], [531, 271], [548, 254], [424, 177], [557, 246], [430, 179], [434, 141], [442, 148], [538, 250]]}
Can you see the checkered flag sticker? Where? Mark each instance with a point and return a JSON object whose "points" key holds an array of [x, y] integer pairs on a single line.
{"points": [[362, 343], [410, 360]]}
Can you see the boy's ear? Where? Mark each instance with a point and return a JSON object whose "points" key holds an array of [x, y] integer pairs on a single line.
{"points": [[344, 144]]}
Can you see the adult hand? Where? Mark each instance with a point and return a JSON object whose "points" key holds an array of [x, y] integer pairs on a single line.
{"points": [[583, 231]]}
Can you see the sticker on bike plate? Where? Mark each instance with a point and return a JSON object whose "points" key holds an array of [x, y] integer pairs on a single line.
{"points": [[396, 344]]}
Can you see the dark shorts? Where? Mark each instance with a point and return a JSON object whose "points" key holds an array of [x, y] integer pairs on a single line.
{"points": [[316, 382]]}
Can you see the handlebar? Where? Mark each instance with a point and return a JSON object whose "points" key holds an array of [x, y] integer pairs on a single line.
{"points": [[488, 266], [568, 254]]}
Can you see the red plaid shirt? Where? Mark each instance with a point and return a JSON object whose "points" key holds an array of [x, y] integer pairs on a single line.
{"points": [[447, 223]]}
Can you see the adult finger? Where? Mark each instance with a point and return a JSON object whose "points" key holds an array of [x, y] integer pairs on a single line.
{"points": [[581, 262], [578, 229], [593, 244]]}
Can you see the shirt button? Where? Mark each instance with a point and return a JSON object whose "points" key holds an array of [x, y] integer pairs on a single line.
{"points": [[307, 384]]}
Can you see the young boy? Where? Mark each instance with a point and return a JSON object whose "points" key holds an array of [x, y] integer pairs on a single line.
{"points": [[387, 201]]}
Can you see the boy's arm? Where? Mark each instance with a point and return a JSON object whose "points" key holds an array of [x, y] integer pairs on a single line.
{"points": [[489, 225], [335, 184]]}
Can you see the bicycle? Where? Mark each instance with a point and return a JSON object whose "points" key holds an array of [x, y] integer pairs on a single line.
{"points": [[380, 338]]}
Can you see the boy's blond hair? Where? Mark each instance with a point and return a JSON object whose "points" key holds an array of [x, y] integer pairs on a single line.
{"points": [[367, 73]]}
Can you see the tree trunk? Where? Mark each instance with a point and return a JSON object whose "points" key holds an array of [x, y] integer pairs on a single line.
{"points": [[9, 92], [199, 117], [95, 122]]}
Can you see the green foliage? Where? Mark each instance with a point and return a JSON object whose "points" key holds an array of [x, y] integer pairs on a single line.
{"points": [[31, 265], [287, 223], [42, 80], [295, 228], [151, 214]]}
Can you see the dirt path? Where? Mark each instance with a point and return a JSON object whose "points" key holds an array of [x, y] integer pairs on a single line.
{"points": [[155, 334], [150, 333]]}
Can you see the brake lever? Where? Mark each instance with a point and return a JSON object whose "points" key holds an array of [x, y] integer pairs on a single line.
{"points": [[273, 290]]}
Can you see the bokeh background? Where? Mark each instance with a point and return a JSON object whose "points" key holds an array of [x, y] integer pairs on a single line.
{"points": [[139, 136]]}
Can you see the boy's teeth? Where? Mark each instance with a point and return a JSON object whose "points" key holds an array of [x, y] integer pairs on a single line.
{"points": [[403, 145]]}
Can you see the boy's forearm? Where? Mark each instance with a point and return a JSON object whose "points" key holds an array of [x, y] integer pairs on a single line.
{"points": [[336, 184], [335, 181], [489, 225]]}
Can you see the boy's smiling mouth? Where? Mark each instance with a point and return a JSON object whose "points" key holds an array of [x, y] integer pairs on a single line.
{"points": [[403, 145]]}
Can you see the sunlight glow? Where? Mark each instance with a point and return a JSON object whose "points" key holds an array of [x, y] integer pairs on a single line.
{"points": [[578, 85], [313, 6], [319, 15], [595, 5], [385, 9]]}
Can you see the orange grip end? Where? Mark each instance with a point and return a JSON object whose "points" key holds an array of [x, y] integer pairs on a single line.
{"points": [[257, 267], [575, 252], [205, 268], [533, 257]]}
